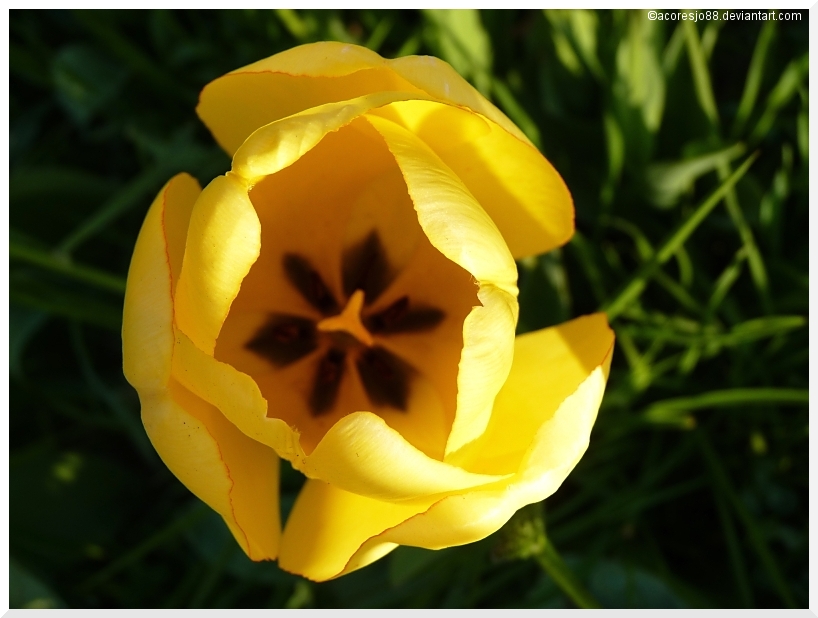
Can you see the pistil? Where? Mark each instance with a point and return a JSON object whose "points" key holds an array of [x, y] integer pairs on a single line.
{"points": [[349, 320]]}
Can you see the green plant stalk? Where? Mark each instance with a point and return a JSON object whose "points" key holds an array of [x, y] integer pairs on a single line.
{"points": [[132, 194], [553, 564], [85, 274], [701, 75], [633, 289], [754, 75], [707, 101], [757, 268], [735, 397]]}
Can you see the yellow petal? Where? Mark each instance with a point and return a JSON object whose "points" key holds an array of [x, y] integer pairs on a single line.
{"points": [[461, 230], [360, 453], [328, 525], [363, 455], [548, 366], [468, 517], [224, 239], [281, 143], [519, 189], [440, 81], [236, 104], [235, 476], [180, 197], [234, 394], [147, 317]]}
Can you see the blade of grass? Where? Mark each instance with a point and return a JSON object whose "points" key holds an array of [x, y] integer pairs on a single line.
{"points": [[673, 50], [709, 37], [786, 88], [701, 74], [757, 268], [704, 92], [379, 34], [131, 195], [725, 281], [633, 288], [86, 274], [754, 74], [296, 26], [583, 249], [676, 332], [722, 484], [672, 410]]}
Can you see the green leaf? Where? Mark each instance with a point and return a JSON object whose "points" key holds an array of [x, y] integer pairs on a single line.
{"points": [[701, 73], [787, 87], [639, 85], [574, 34], [755, 73], [668, 181], [670, 410]]}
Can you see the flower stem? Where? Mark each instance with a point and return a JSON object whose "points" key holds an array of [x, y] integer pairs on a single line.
{"points": [[553, 564]]}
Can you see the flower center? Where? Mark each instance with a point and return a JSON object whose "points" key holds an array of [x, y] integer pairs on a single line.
{"points": [[351, 333], [349, 320]]}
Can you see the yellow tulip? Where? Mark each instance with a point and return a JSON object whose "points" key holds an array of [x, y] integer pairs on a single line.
{"points": [[345, 298]]}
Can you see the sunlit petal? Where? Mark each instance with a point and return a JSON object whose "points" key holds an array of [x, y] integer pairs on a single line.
{"points": [[224, 241], [328, 525], [519, 189], [147, 320], [462, 231]]}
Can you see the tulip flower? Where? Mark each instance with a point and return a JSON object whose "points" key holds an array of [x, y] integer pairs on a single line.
{"points": [[345, 298]]}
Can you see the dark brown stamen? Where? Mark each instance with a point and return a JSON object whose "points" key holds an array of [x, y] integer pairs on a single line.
{"points": [[366, 268], [284, 339], [327, 382], [385, 378], [400, 318], [306, 280]]}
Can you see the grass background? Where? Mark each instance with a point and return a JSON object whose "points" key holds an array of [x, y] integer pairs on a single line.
{"points": [[693, 492]]}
